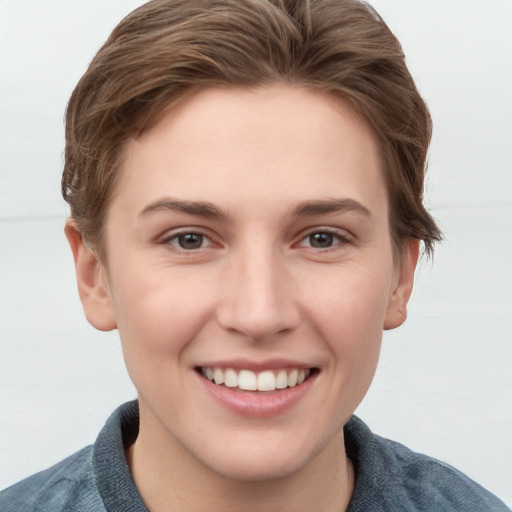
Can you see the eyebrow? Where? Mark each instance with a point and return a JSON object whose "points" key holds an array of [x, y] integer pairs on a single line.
{"points": [[210, 211], [319, 207], [197, 208]]}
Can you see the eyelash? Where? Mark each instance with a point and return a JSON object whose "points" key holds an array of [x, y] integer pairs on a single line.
{"points": [[173, 240], [341, 236]]}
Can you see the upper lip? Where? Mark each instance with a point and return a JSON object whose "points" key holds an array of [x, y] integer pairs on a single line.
{"points": [[256, 366]]}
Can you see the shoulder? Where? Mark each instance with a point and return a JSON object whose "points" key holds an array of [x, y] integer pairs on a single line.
{"points": [[69, 485], [401, 479], [432, 483]]}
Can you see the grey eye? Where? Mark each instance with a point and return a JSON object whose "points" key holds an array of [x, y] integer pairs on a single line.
{"points": [[190, 241], [321, 240]]}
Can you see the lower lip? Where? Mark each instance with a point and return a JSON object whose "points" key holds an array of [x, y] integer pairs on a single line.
{"points": [[254, 404]]}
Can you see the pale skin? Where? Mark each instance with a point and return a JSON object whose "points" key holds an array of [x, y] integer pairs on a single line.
{"points": [[250, 228]]}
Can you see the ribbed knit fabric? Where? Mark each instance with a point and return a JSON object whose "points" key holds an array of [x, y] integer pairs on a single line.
{"points": [[393, 478], [389, 477], [95, 479]]}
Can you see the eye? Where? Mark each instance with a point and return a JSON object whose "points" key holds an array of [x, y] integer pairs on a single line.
{"points": [[189, 241], [323, 239]]}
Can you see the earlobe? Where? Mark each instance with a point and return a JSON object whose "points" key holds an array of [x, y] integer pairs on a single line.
{"points": [[397, 306], [91, 280]]}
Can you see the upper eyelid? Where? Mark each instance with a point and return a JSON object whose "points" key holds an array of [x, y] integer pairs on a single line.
{"points": [[344, 236], [170, 242], [173, 233], [342, 233], [169, 238]]}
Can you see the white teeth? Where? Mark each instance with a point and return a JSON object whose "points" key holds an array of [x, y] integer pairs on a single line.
{"points": [[231, 378], [248, 380], [266, 381], [292, 378], [282, 380], [218, 376]]}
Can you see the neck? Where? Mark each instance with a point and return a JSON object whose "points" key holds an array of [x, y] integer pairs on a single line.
{"points": [[169, 478]]}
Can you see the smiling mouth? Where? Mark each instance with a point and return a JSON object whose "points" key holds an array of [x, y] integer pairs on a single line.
{"points": [[247, 380]]}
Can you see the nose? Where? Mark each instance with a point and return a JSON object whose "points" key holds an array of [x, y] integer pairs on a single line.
{"points": [[258, 297]]}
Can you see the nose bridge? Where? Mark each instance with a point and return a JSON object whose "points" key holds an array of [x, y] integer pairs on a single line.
{"points": [[258, 300]]}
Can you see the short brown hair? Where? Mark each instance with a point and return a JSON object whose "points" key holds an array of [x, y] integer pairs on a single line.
{"points": [[167, 48]]}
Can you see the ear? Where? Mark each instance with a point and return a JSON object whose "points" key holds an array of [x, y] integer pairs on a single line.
{"points": [[397, 306], [91, 277]]}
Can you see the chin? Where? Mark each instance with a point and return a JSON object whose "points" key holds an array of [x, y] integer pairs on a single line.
{"points": [[262, 459], [250, 470]]}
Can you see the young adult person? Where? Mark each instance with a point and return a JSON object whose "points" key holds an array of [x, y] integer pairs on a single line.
{"points": [[245, 180]]}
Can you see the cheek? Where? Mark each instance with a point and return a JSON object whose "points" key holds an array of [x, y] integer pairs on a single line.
{"points": [[353, 302], [350, 314], [157, 319], [159, 314], [353, 334]]}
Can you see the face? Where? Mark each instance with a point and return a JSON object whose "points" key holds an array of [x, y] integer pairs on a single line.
{"points": [[250, 274]]}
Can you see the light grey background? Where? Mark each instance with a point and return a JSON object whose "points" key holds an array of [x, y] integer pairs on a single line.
{"points": [[444, 386]]}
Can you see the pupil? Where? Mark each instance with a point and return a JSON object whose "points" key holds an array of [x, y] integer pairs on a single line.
{"points": [[190, 241], [321, 240]]}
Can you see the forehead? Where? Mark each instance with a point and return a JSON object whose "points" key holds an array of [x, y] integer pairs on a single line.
{"points": [[277, 144]]}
